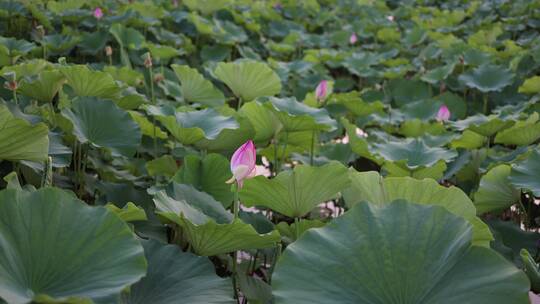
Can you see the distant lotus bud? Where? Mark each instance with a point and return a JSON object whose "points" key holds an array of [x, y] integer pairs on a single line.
{"points": [[443, 114], [353, 39], [41, 31], [158, 77], [108, 51], [322, 90], [175, 3], [390, 18], [148, 61], [98, 13], [11, 85], [243, 163]]}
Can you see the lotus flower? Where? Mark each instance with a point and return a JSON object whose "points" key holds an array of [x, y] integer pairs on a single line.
{"points": [[321, 90], [443, 114], [390, 18], [243, 163], [98, 13], [353, 38]]}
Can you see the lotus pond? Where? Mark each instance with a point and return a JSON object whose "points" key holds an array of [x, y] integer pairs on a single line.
{"points": [[249, 151]]}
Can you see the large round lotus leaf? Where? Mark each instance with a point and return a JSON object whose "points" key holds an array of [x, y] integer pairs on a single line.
{"points": [[208, 174], [249, 79], [399, 253], [206, 225], [438, 74], [19, 140], [193, 126], [85, 82], [483, 125], [197, 89], [487, 78], [103, 124], [522, 133], [530, 85], [414, 152], [44, 87], [207, 7], [296, 116], [495, 193], [175, 276], [371, 187], [526, 174], [55, 248], [404, 91], [265, 124], [295, 193]]}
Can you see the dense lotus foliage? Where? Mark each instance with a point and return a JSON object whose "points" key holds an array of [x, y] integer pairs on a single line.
{"points": [[269, 151]]}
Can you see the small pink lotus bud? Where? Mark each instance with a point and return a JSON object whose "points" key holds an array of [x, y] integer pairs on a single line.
{"points": [[98, 13], [390, 18], [108, 50], [148, 61], [353, 39], [443, 114], [243, 163], [322, 90]]}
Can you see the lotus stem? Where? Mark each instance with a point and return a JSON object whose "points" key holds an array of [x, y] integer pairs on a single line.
{"points": [[236, 207], [46, 178], [485, 103], [312, 148]]}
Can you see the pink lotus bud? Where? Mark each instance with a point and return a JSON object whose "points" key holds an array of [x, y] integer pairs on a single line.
{"points": [[443, 114], [108, 50], [321, 90], [390, 18], [98, 13], [243, 163], [353, 38]]}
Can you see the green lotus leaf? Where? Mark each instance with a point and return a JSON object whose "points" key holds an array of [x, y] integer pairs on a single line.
{"points": [[164, 165], [99, 258], [191, 127], [127, 75], [469, 140], [405, 91], [495, 193], [355, 104], [531, 269], [85, 82], [229, 140], [44, 87], [400, 169], [510, 239], [414, 152], [195, 88], [146, 126], [522, 133], [295, 193], [25, 69], [128, 213], [207, 174], [402, 253], [249, 79], [388, 35], [483, 125], [487, 78], [296, 116], [293, 231], [59, 44], [360, 64], [102, 124], [264, 122], [530, 85], [162, 52], [208, 230], [438, 74], [207, 7], [254, 289], [173, 275], [525, 175], [16, 47], [19, 140], [371, 187], [127, 37]]}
